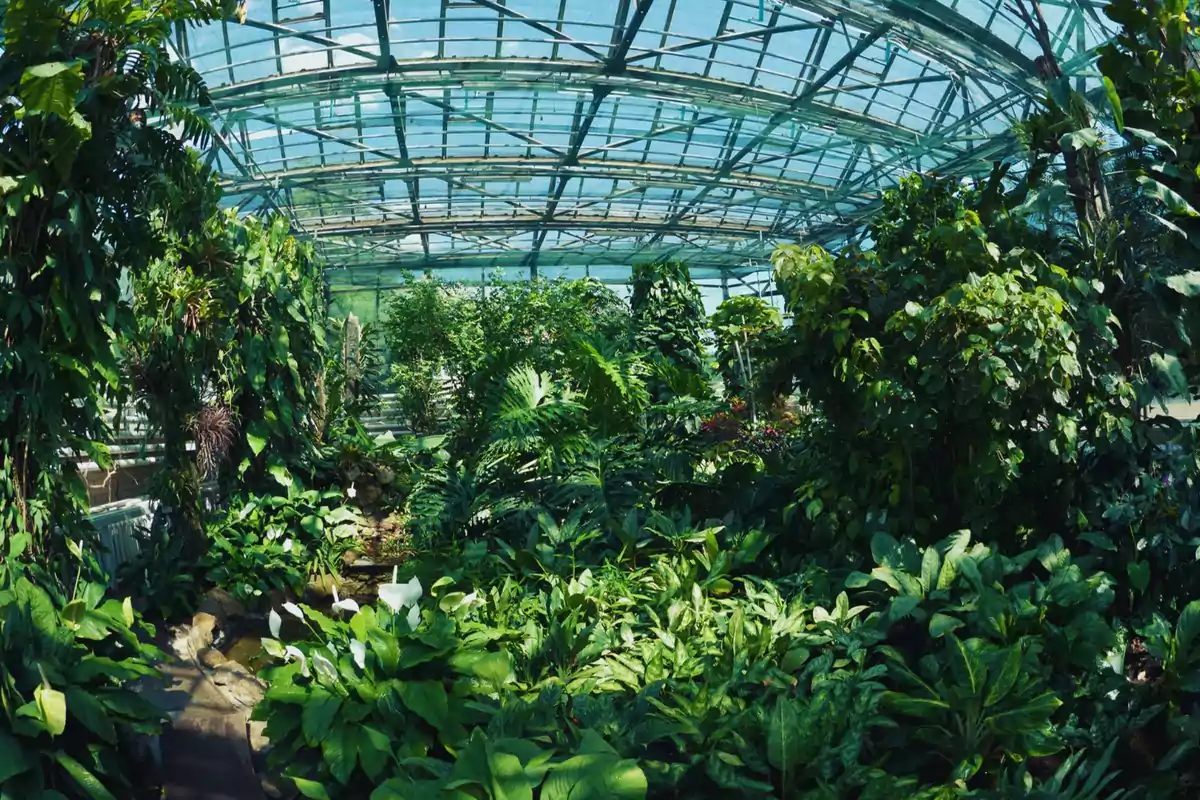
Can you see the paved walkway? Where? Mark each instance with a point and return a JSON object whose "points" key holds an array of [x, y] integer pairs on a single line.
{"points": [[206, 755]]}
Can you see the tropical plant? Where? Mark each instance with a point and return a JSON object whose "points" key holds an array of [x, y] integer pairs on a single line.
{"points": [[90, 189], [69, 718], [668, 318]]}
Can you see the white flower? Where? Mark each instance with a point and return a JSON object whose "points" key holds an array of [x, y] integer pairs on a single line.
{"points": [[344, 605], [359, 651], [400, 595], [324, 667], [292, 652], [273, 534], [352, 492], [294, 610], [414, 617], [273, 622], [287, 545]]}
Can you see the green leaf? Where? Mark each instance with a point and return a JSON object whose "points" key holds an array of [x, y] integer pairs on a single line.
{"points": [[281, 475], [53, 707], [1114, 101], [1139, 574], [51, 88], [428, 700], [312, 525], [91, 713], [941, 624], [1029, 717], [596, 773], [1169, 374], [1187, 629], [1148, 136], [926, 707], [1003, 683], [374, 751], [965, 662], [310, 789], [1082, 138], [256, 437], [931, 564], [1166, 195], [783, 736], [82, 776], [495, 668], [1187, 283], [13, 759], [319, 713], [338, 751]]}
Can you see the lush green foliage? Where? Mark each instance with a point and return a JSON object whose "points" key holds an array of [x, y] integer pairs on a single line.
{"points": [[668, 318], [88, 190], [68, 717], [748, 330]]}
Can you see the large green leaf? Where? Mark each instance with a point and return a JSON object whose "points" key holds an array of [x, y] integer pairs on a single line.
{"points": [[13, 759], [90, 784], [428, 700], [1187, 629], [783, 735], [51, 88], [1114, 101], [89, 711], [310, 789], [1187, 283], [319, 712], [1174, 201], [596, 773]]}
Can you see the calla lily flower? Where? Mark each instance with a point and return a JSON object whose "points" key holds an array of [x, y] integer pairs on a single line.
{"points": [[294, 610], [349, 604], [291, 652], [274, 621], [414, 617], [399, 596], [287, 545], [359, 651], [324, 667], [352, 492]]}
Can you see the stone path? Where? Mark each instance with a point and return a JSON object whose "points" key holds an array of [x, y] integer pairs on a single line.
{"points": [[205, 752]]}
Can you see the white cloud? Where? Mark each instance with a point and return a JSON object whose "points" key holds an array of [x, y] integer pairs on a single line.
{"points": [[299, 55]]}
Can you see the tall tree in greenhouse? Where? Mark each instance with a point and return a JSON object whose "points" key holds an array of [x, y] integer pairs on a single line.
{"points": [[90, 189]]}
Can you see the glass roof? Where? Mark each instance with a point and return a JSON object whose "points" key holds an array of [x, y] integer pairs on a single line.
{"points": [[552, 136]]}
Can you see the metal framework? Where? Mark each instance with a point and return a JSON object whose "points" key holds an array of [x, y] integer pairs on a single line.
{"points": [[583, 136]]}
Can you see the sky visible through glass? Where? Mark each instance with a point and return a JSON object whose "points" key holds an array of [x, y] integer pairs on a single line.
{"points": [[573, 137]]}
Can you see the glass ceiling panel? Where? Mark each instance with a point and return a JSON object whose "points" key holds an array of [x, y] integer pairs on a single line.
{"points": [[550, 135]]}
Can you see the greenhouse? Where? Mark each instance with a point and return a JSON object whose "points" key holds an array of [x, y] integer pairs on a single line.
{"points": [[571, 400]]}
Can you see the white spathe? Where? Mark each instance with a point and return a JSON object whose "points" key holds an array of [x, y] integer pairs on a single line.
{"points": [[399, 596], [274, 621]]}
